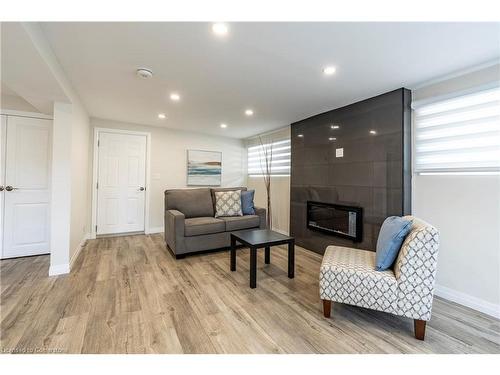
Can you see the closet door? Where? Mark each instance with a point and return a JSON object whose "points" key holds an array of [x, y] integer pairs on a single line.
{"points": [[3, 128], [26, 194]]}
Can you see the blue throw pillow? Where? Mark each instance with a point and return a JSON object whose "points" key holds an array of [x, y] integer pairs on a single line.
{"points": [[391, 237], [247, 202]]}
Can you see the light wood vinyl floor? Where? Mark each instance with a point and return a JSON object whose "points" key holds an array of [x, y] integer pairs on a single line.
{"points": [[128, 295]]}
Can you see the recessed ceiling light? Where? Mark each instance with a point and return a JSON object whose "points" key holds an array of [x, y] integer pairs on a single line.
{"points": [[249, 112], [220, 29], [300, 135], [373, 132], [223, 126], [329, 70], [334, 126], [332, 139], [144, 73], [162, 116], [175, 97]]}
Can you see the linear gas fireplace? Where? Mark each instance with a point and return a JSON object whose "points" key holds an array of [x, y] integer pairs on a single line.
{"points": [[335, 219]]}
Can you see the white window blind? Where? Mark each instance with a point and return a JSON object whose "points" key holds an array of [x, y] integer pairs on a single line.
{"points": [[460, 134], [281, 152]]}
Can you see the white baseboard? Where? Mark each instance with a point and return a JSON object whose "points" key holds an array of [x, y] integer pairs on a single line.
{"points": [[58, 269], [469, 301], [155, 230], [81, 245], [61, 269], [284, 232]]}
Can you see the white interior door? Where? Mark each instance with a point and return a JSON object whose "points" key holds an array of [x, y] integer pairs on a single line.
{"points": [[121, 183], [3, 132], [26, 194]]}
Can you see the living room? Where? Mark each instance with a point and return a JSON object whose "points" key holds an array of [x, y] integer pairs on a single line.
{"points": [[250, 187]]}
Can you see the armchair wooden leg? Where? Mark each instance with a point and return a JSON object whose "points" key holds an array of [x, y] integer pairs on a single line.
{"points": [[419, 326], [327, 308]]}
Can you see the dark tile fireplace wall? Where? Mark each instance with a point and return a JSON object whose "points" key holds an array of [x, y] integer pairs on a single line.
{"points": [[374, 173]]}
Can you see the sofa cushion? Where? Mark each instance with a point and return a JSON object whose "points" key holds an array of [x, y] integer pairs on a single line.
{"points": [[348, 276], [191, 202], [197, 226], [391, 236], [247, 205], [228, 203], [214, 190], [241, 222]]}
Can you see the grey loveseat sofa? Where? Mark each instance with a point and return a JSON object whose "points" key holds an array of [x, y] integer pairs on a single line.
{"points": [[190, 225]]}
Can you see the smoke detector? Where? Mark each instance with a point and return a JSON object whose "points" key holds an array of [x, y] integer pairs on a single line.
{"points": [[144, 73]]}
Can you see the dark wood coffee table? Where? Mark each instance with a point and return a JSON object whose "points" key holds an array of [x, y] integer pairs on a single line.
{"points": [[261, 238]]}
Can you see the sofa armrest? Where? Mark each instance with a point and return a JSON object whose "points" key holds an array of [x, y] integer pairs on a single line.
{"points": [[261, 212], [415, 270], [174, 230]]}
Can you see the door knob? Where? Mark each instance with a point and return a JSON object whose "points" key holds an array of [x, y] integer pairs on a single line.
{"points": [[141, 188], [10, 188], [1, 188]]}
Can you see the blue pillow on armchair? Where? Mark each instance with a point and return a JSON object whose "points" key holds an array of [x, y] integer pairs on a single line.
{"points": [[391, 237], [247, 202]]}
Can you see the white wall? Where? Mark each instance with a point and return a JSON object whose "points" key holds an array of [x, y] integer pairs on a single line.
{"points": [[15, 103], [60, 223], [280, 199], [280, 185], [70, 204], [169, 160], [80, 179], [466, 210], [70, 213]]}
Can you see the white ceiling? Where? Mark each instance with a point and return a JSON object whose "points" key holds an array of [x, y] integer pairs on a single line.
{"points": [[24, 73], [273, 68]]}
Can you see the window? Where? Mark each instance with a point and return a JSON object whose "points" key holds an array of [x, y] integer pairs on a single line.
{"points": [[460, 135], [280, 166]]}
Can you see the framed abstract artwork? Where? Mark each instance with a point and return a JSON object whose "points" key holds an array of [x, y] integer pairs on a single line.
{"points": [[204, 168]]}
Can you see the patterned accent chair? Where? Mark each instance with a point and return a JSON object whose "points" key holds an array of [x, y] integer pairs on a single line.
{"points": [[348, 276]]}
